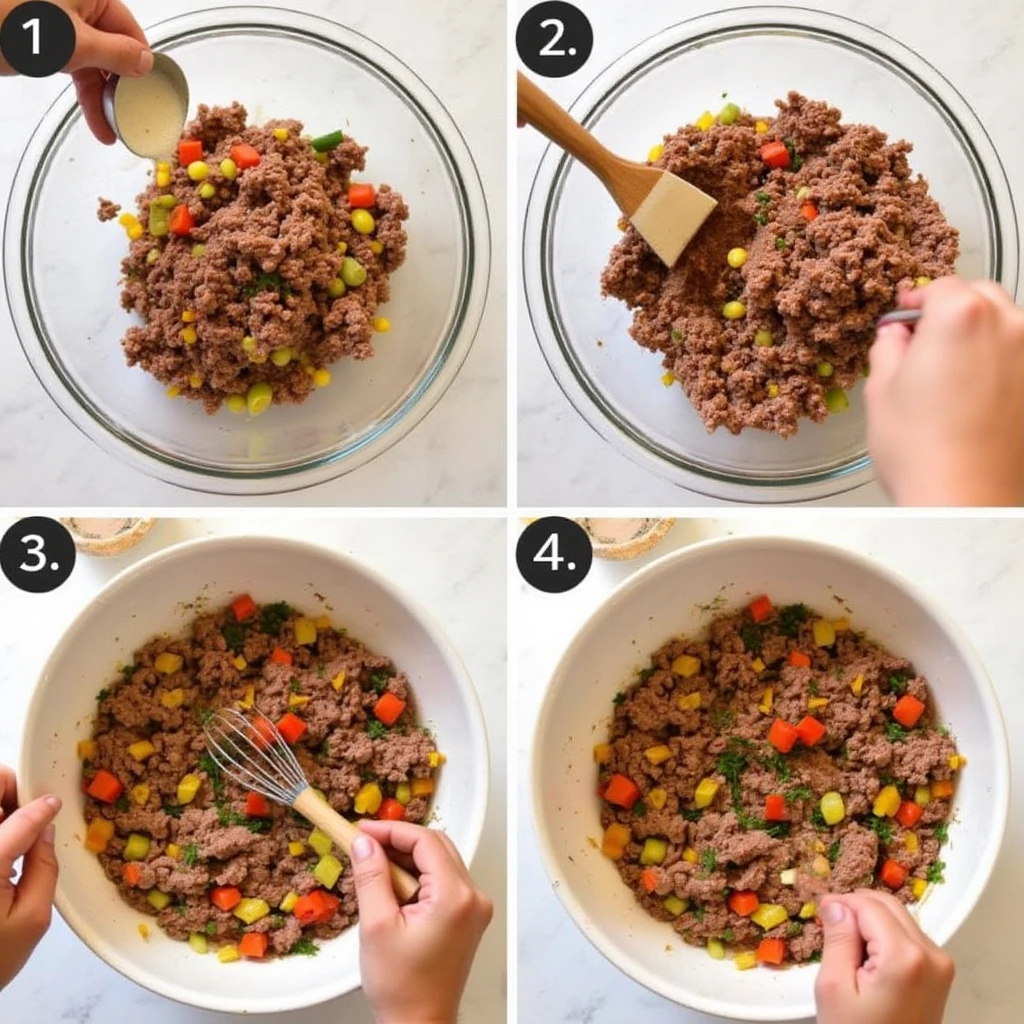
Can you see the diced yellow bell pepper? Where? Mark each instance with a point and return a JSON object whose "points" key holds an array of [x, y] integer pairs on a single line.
{"points": [[690, 855], [137, 846], [911, 842], [957, 761], [173, 851], [338, 681], [422, 787], [143, 931], [158, 900], [322, 622], [668, 378], [251, 910], [923, 796], [305, 631], [240, 663], [654, 153], [297, 700], [769, 915], [887, 803], [403, 793], [198, 943], [168, 663], [656, 798], [819, 846], [705, 793], [654, 851], [674, 905], [188, 787], [659, 754], [761, 127], [98, 835], [614, 840], [744, 961], [833, 810], [686, 665], [767, 698], [435, 759], [689, 701], [758, 665], [918, 887], [288, 903], [141, 750], [705, 121], [824, 633], [841, 625], [87, 750], [228, 954], [173, 698], [296, 849], [857, 686], [817, 703], [320, 842], [602, 753], [368, 799], [807, 911], [715, 949], [248, 698], [327, 871]]}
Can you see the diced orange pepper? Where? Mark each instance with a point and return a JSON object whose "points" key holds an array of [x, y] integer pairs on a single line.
{"points": [[760, 608]]}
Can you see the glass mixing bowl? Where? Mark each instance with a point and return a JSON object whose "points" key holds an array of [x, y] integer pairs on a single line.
{"points": [[755, 54], [61, 265]]}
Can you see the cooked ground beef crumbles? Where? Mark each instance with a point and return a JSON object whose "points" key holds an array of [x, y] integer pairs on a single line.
{"points": [[781, 757], [107, 209], [257, 270], [832, 225], [184, 843]]}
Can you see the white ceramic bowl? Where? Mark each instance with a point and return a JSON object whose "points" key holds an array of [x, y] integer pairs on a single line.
{"points": [[158, 595], [671, 597]]}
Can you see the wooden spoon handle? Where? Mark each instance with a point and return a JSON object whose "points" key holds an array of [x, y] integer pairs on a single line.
{"points": [[343, 832], [537, 108]]}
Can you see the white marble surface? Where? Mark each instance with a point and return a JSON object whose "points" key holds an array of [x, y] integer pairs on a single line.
{"points": [[973, 568], [454, 567], [454, 457], [977, 46]]}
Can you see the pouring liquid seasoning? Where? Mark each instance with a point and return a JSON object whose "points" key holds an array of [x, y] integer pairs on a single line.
{"points": [[150, 113]]}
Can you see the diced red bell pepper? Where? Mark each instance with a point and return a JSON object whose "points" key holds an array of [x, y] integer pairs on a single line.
{"points": [[253, 945], [245, 156], [908, 710], [798, 659], [775, 807], [389, 708], [318, 907], [649, 879], [760, 608], [622, 792], [189, 151], [181, 221], [909, 814], [893, 874], [226, 897], [391, 810], [243, 606], [132, 874], [292, 728], [262, 733], [782, 736], [808, 211], [743, 902], [775, 154], [105, 787], [362, 196], [810, 730], [771, 951], [279, 656], [257, 805]]}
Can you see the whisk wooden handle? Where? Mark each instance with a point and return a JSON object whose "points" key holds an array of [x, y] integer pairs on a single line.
{"points": [[343, 832]]}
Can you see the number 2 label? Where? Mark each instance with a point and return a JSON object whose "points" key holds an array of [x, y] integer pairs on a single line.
{"points": [[547, 50]]}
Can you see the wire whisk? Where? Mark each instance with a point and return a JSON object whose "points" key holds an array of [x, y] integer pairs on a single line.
{"points": [[250, 750]]}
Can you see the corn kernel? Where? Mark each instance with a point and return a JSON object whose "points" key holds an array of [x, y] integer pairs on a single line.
{"points": [[140, 794], [248, 698], [922, 281], [765, 707], [87, 750], [281, 356], [189, 336], [235, 404], [296, 849], [761, 127], [162, 165], [195, 380], [659, 754], [824, 633], [126, 220], [248, 343], [338, 681], [656, 798], [689, 701], [819, 846], [188, 316], [343, 248], [807, 911], [229, 169], [817, 703], [841, 625], [173, 391], [144, 931], [758, 665], [141, 750], [281, 134], [655, 153], [321, 378], [773, 390], [918, 887], [298, 700], [435, 759], [173, 851], [207, 190], [135, 232], [382, 325], [229, 954], [734, 310], [887, 803], [745, 961], [622, 223], [321, 158], [957, 761], [240, 663], [258, 357], [602, 753], [705, 793], [163, 179], [736, 258], [690, 855], [923, 796], [376, 247], [911, 842], [198, 170], [705, 121], [668, 378], [857, 686], [686, 665], [173, 698]]}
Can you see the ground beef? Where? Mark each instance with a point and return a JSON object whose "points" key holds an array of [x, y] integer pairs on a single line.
{"points": [[816, 286], [333, 685], [745, 677], [107, 209], [275, 237]]}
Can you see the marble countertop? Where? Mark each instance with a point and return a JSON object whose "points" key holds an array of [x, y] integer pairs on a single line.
{"points": [[455, 456], [439, 562], [972, 568], [561, 461]]}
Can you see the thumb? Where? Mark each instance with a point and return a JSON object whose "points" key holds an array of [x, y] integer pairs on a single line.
{"points": [[109, 51], [32, 907], [377, 902], [843, 952], [887, 356]]}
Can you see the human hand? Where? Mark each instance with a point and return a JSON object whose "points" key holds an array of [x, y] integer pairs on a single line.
{"points": [[415, 959], [878, 967], [25, 908], [946, 404], [108, 39]]}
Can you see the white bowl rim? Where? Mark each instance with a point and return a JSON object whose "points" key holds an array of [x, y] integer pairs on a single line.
{"points": [[757, 543], [110, 954]]}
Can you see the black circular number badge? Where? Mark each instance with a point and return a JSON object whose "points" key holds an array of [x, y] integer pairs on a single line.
{"points": [[554, 554], [37, 38], [37, 554], [554, 39]]}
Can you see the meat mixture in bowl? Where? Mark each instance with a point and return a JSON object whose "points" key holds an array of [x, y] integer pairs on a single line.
{"points": [[214, 863], [769, 313], [781, 757], [256, 261]]}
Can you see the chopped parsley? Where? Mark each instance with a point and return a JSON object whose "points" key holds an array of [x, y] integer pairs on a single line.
{"points": [[211, 928], [816, 957], [376, 729], [942, 833], [796, 161], [813, 689], [699, 911], [227, 816], [882, 828], [761, 218], [379, 680], [640, 809], [753, 637], [129, 670], [267, 283], [781, 243], [234, 635], [677, 335], [692, 814], [728, 935], [942, 730], [934, 874], [295, 685], [213, 773], [273, 617], [791, 618], [321, 671], [778, 765], [895, 732], [122, 804], [799, 793], [277, 921], [833, 852], [103, 694], [190, 855], [173, 810], [618, 698], [763, 197], [722, 718], [898, 683], [795, 928], [818, 819], [708, 861], [205, 716], [646, 673], [304, 947]]}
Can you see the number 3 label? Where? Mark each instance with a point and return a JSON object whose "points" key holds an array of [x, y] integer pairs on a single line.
{"points": [[554, 39], [37, 554]]}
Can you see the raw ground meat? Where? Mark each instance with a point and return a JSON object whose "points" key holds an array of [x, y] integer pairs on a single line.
{"points": [[345, 747], [728, 846], [818, 286], [275, 238]]}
